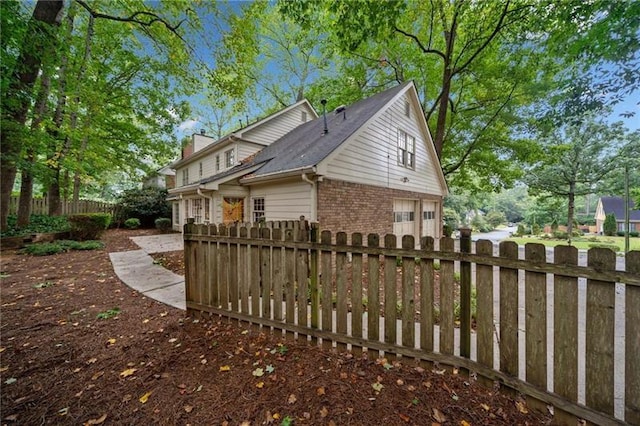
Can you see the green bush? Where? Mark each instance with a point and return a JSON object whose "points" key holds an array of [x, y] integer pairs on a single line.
{"points": [[447, 230], [38, 223], [521, 230], [132, 223], [609, 227], [601, 245], [561, 235], [620, 233], [46, 249], [495, 218], [146, 204], [163, 224], [88, 226], [634, 234]]}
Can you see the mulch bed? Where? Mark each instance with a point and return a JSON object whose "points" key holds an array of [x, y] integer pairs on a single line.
{"points": [[77, 346]]}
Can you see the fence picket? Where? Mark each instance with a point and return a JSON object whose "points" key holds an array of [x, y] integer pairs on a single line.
{"points": [[243, 272], [390, 291], [213, 281], [535, 297], [426, 297], [201, 262], [373, 295], [632, 342], [223, 252], [302, 276], [265, 272], [484, 305], [234, 290], [254, 272], [190, 264], [289, 289], [356, 292], [313, 283], [565, 332], [278, 275], [600, 333], [509, 311], [446, 299], [341, 288], [326, 290], [408, 290]]}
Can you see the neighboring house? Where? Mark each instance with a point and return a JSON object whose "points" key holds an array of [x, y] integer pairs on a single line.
{"points": [[615, 205], [162, 178], [371, 169]]}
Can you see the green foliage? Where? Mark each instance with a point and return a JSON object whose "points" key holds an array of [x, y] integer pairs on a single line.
{"points": [[88, 226], [521, 230], [110, 313], [146, 204], [609, 227], [479, 224], [132, 223], [607, 246], [634, 234], [535, 229], [447, 230], [44, 284], [495, 218], [38, 223], [163, 224], [46, 249]]}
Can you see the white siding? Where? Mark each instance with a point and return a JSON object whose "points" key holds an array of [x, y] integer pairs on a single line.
{"points": [[201, 141], [370, 156], [277, 127], [285, 201]]}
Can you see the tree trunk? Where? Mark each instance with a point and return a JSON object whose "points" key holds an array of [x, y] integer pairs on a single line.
{"points": [[26, 184], [20, 86], [571, 210], [447, 73]]}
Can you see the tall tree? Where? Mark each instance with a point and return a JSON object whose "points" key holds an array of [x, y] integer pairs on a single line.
{"points": [[39, 37], [577, 157]]}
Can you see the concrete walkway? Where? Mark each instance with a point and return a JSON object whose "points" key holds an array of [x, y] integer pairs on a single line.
{"points": [[136, 269]]}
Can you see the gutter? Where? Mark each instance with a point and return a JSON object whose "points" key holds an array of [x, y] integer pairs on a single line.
{"points": [[278, 175]]}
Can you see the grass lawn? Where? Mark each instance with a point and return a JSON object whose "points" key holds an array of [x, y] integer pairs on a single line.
{"points": [[582, 243]]}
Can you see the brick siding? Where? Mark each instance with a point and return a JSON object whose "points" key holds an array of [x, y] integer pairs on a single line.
{"points": [[352, 207]]}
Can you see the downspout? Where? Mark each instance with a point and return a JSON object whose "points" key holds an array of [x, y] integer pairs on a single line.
{"points": [[314, 198], [200, 193]]}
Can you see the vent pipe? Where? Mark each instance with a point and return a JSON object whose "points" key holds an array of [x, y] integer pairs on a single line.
{"points": [[202, 131], [324, 115]]}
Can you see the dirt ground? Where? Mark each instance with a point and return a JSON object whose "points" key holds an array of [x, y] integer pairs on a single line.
{"points": [[77, 346]]}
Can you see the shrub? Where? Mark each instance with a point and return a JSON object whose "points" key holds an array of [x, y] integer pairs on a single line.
{"points": [[620, 233], [495, 218], [609, 226], [38, 223], [46, 249], [88, 226], [535, 229], [447, 230], [520, 231], [601, 245], [146, 204], [132, 223], [163, 224], [561, 235], [634, 234]]}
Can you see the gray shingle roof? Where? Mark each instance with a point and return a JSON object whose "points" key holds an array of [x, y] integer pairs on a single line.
{"points": [[307, 144], [615, 205]]}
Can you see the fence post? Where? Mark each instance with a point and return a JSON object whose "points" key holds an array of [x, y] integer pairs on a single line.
{"points": [[465, 295]]}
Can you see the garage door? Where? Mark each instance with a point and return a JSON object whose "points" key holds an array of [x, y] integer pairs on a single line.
{"points": [[404, 218], [429, 219]]}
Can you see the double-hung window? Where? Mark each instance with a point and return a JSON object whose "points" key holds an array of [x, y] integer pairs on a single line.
{"points": [[217, 163], [258, 209], [229, 157], [406, 149], [185, 176]]}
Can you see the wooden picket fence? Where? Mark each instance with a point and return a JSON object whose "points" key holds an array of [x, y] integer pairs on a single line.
{"points": [[371, 295], [41, 206]]}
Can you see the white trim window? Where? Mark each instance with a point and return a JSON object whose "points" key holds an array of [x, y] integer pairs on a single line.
{"points": [[197, 209], [406, 149], [258, 209], [229, 157], [185, 176], [207, 208], [200, 170], [217, 163]]}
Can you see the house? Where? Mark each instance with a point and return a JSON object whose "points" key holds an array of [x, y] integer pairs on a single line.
{"points": [[370, 167], [164, 177], [615, 205]]}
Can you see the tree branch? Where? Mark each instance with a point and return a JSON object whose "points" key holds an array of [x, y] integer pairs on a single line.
{"points": [[419, 43]]}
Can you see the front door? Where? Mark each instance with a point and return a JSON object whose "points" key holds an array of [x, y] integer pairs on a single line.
{"points": [[232, 210]]}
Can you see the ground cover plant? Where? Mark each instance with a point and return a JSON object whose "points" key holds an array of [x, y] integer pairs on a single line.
{"points": [[80, 347], [582, 243], [39, 223]]}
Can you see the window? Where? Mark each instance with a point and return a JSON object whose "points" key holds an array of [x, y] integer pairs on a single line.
{"points": [[207, 207], [407, 109], [403, 217], [217, 163], [304, 116], [176, 213], [185, 176], [200, 170], [229, 158], [258, 209], [197, 210], [428, 215], [406, 150]]}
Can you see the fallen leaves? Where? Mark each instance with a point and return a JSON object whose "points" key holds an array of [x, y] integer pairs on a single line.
{"points": [[439, 416], [258, 372], [128, 372], [144, 398], [225, 368], [292, 399], [97, 421], [522, 407]]}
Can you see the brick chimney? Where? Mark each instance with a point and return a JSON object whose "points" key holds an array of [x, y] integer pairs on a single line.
{"points": [[187, 151]]}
